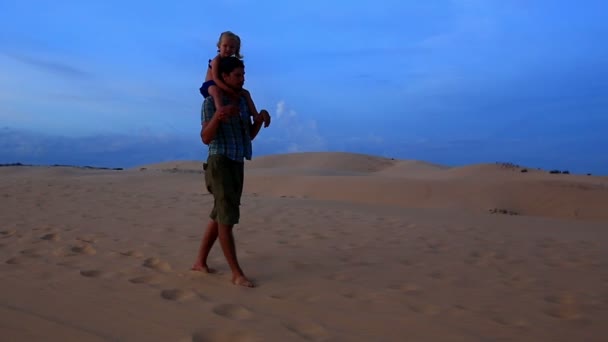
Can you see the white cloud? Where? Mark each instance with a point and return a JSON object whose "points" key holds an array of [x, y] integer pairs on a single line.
{"points": [[280, 109], [289, 132]]}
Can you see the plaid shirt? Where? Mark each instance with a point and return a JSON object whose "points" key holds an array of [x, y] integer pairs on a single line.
{"points": [[233, 138]]}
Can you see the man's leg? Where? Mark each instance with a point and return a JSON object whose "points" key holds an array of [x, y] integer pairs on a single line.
{"points": [[225, 177], [229, 249], [206, 243]]}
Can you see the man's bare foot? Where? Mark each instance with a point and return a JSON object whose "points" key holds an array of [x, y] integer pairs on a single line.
{"points": [[202, 268], [242, 281]]}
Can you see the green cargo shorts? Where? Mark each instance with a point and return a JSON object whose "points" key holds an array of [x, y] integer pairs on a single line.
{"points": [[224, 179]]}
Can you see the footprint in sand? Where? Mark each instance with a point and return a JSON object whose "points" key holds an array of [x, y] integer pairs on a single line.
{"points": [[232, 311], [136, 254], [499, 319], [307, 330], [458, 310], [408, 288], [351, 295], [13, 261], [563, 306], [7, 233], [234, 336], [157, 264], [518, 281], [435, 246], [407, 262], [150, 280], [86, 239], [303, 265], [91, 273], [83, 249], [566, 312], [427, 309], [437, 275], [546, 243], [340, 277], [177, 295], [318, 236], [50, 237], [31, 253]]}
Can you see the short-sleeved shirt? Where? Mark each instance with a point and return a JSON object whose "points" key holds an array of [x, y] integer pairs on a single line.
{"points": [[233, 138]]}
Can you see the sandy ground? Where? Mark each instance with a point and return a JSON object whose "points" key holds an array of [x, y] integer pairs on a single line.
{"points": [[343, 247]]}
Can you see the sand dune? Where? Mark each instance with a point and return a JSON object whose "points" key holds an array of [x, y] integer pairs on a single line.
{"points": [[176, 165], [345, 162], [343, 247], [413, 169], [415, 184]]}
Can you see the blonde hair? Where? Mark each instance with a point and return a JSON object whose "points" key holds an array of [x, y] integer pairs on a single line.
{"points": [[229, 34]]}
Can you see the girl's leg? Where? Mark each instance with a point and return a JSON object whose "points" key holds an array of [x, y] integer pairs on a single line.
{"points": [[216, 92], [254, 111], [251, 106]]}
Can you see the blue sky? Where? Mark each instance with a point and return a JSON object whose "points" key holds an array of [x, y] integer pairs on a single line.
{"points": [[451, 82]]}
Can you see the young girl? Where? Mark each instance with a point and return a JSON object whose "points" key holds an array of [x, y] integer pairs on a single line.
{"points": [[228, 45]]}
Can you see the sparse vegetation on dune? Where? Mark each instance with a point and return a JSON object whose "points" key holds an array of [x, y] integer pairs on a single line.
{"points": [[513, 166]]}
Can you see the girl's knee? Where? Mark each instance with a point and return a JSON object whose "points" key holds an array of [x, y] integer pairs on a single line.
{"points": [[213, 90]]}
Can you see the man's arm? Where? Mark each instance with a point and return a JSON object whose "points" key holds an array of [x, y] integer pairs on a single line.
{"points": [[209, 130], [254, 128], [210, 122], [213, 118]]}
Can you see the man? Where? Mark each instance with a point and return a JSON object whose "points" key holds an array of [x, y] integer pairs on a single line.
{"points": [[228, 132]]}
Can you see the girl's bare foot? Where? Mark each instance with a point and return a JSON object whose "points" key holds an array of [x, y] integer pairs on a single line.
{"points": [[202, 268], [242, 281]]}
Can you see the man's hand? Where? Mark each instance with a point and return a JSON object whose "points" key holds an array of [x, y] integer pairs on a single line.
{"points": [[258, 119], [265, 117]]}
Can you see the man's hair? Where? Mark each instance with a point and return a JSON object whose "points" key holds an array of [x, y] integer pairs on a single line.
{"points": [[228, 64]]}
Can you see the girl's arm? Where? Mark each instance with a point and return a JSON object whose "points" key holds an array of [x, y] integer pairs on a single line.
{"points": [[252, 110], [262, 116]]}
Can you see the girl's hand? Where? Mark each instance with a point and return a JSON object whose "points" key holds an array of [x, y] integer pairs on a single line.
{"points": [[227, 111]]}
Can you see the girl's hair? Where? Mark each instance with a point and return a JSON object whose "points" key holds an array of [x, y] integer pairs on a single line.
{"points": [[231, 35]]}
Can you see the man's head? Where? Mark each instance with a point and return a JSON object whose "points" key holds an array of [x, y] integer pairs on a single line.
{"points": [[232, 71]]}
